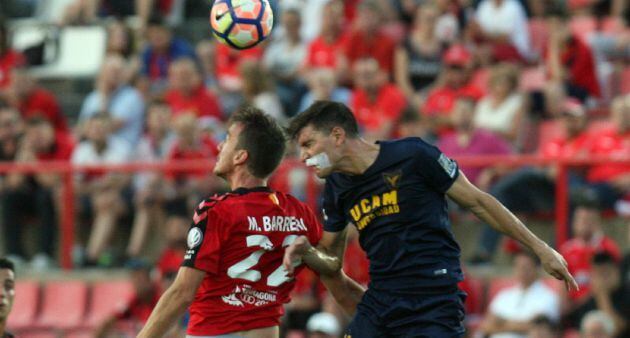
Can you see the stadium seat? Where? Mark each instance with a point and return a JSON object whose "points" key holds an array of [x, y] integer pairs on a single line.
{"points": [[71, 296], [583, 26], [81, 52], [38, 334], [538, 35], [106, 298], [24, 311], [496, 285]]}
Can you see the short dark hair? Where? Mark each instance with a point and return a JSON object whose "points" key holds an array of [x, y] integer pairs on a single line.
{"points": [[6, 264], [324, 116], [586, 198], [262, 137]]}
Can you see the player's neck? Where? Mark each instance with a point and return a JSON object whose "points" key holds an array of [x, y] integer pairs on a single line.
{"points": [[358, 156], [241, 179]]}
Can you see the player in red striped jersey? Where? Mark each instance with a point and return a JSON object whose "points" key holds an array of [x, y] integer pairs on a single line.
{"points": [[232, 276]]}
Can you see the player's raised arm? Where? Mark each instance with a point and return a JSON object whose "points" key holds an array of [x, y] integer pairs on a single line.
{"points": [[173, 303], [491, 211]]}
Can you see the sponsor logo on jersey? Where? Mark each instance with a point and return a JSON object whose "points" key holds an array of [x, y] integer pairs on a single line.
{"points": [[195, 236], [245, 294], [368, 209], [449, 166]]}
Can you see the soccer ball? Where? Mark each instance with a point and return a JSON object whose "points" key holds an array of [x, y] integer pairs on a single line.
{"points": [[241, 24]]}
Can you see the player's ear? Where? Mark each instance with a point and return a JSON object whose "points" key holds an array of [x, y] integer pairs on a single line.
{"points": [[240, 157], [339, 135]]}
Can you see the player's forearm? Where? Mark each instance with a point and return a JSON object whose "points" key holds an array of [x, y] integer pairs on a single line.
{"points": [[322, 262], [346, 292], [171, 307], [489, 210]]}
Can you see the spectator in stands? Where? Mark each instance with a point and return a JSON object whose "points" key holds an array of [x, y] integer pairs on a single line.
{"points": [[7, 294], [187, 94], [32, 100], [542, 327], [11, 129], [418, 60], [207, 54], [597, 324], [123, 102], [101, 194], [454, 83], [154, 146], [367, 40], [376, 103], [588, 240], [120, 41], [611, 181], [258, 90], [513, 308], [9, 58], [501, 27], [323, 325], [447, 27], [138, 310], [533, 189], [609, 296], [326, 50], [162, 49], [186, 189], [26, 196], [469, 140], [570, 60], [502, 110], [410, 125], [322, 85], [283, 59]]}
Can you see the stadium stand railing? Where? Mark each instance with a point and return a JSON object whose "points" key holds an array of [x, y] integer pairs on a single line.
{"points": [[67, 172]]}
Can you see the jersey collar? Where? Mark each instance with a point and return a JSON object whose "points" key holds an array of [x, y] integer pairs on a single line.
{"points": [[243, 191]]}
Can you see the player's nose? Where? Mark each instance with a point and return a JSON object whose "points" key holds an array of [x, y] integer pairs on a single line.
{"points": [[303, 156], [220, 146]]}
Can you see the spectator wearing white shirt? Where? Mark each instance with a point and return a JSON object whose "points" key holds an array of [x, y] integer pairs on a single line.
{"points": [[113, 95], [503, 23], [101, 193], [512, 309], [501, 110]]}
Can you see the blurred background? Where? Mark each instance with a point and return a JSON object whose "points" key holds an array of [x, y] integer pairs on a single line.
{"points": [[111, 111]]}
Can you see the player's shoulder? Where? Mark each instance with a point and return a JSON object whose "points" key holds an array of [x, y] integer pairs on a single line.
{"points": [[409, 146], [292, 201]]}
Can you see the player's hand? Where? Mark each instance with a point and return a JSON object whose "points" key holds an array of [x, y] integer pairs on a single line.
{"points": [[294, 253], [555, 265]]}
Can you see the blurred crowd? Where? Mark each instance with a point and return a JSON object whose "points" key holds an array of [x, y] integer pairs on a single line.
{"points": [[474, 77]]}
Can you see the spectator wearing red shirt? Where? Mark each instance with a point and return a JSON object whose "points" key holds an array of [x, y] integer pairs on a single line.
{"points": [[612, 181], [325, 51], [31, 100], [9, 58], [188, 95], [533, 189], [138, 309], [32, 195], [570, 60], [588, 239], [376, 103], [456, 83], [367, 38]]}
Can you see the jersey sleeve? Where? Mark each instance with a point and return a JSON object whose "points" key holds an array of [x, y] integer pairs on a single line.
{"points": [[438, 171], [204, 241], [334, 218]]}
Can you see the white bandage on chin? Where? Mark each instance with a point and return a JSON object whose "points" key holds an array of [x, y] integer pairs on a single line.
{"points": [[320, 161]]}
